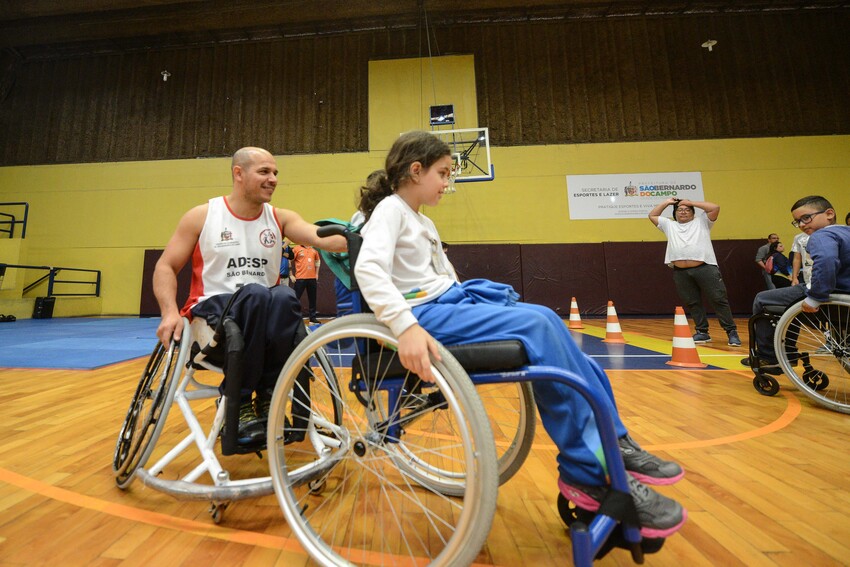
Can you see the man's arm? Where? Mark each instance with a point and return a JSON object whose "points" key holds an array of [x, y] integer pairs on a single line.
{"points": [[712, 210], [298, 230], [659, 210], [177, 252]]}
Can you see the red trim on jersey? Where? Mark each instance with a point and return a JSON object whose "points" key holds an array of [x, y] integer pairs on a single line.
{"points": [[196, 290], [226, 204]]}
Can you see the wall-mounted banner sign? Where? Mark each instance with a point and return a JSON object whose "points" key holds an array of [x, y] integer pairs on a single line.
{"points": [[628, 195]]}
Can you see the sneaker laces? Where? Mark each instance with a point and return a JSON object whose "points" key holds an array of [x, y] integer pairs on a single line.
{"points": [[246, 412]]}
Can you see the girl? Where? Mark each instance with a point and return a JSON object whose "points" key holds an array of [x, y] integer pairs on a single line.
{"points": [[409, 283], [780, 266]]}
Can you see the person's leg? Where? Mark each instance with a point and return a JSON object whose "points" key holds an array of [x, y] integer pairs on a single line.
{"points": [[784, 297], [250, 309], [283, 323], [768, 280], [312, 286], [689, 292], [300, 286], [709, 279], [565, 414]]}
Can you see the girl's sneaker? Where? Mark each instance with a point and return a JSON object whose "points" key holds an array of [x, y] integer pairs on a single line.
{"points": [[645, 466], [658, 516]]}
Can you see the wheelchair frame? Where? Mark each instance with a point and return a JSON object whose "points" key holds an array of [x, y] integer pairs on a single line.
{"points": [[812, 349], [369, 439]]}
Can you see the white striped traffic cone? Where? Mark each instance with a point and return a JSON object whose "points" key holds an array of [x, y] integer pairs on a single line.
{"points": [[575, 318], [613, 333], [684, 349]]}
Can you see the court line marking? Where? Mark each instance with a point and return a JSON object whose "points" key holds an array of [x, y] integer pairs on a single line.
{"points": [[792, 411], [159, 520]]}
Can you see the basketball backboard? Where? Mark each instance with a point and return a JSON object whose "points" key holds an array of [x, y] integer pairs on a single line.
{"points": [[470, 149]]}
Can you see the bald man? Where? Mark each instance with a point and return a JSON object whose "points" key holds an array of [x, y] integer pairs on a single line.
{"points": [[234, 243]]}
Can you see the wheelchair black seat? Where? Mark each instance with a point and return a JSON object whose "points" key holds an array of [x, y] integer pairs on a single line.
{"points": [[493, 356]]}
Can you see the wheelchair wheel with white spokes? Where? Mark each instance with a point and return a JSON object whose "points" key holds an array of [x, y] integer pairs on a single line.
{"points": [[386, 467], [513, 419], [148, 411], [813, 350]]}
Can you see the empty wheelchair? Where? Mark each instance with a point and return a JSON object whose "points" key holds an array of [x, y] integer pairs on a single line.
{"points": [[813, 350], [170, 377], [409, 474]]}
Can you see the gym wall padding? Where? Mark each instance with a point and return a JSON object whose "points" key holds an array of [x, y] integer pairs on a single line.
{"points": [[631, 274]]}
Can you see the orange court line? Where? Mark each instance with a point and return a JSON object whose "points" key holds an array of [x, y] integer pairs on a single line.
{"points": [[159, 520], [792, 410]]}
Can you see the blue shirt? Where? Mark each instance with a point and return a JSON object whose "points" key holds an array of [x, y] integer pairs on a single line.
{"points": [[829, 248]]}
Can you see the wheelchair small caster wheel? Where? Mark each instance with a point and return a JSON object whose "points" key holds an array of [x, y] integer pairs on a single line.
{"points": [[217, 511], [766, 385], [317, 485], [571, 514], [816, 380]]}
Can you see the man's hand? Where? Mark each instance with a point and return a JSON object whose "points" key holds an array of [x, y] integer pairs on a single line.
{"points": [[171, 327], [414, 346]]}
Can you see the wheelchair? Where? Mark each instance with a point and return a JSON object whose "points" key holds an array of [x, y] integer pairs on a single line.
{"points": [[169, 377], [386, 467], [812, 350]]}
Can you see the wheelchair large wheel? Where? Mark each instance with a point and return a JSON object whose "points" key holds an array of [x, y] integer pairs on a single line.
{"points": [[813, 350], [373, 488], [148, 411], [513, 419]]}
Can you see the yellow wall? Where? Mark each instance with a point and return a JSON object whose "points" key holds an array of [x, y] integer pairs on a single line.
{"points": [[103, 216], [402, 91]]}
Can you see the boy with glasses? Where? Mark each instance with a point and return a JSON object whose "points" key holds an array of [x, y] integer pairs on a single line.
{"points": [[829, 248]]}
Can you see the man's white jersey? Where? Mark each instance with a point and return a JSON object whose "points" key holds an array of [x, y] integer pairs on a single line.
{"points": [[233, 251]]}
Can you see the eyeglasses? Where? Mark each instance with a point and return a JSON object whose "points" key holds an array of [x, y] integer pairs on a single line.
{"points": [[805, 219]]}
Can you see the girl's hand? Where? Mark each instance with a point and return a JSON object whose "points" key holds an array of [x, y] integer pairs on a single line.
{"points": [[414, 346]]}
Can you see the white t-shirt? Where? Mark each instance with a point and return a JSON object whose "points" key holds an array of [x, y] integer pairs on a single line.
{"points": [[690, 240], [799, 247], [401, 263]]}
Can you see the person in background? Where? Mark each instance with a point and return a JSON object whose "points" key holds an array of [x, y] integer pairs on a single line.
{"points": [[285, 258], [761, 256], [780, 266], [305, 270], [695, 270]]}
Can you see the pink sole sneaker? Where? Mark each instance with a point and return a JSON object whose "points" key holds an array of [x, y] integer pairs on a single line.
{"points": [[586, 502], [651, 480]]}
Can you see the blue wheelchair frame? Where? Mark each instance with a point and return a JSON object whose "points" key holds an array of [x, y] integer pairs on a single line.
{"points": [[587, 540]]}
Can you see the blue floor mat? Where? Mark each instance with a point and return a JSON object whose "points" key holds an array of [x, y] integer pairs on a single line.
{"points": [[88, 343], [75, 343]]}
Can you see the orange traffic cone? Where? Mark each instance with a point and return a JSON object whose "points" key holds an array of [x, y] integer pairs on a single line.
{"points": [[684, 350], [613, 333], [575, 318]]}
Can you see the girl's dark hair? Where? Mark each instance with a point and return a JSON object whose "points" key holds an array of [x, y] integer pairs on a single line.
{"points": [[407, 149], [772, 249]]}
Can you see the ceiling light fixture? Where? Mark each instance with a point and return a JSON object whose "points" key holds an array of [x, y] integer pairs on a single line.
{"points": [[709, 44]]}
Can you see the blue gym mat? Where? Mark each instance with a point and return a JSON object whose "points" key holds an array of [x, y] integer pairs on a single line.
{"points": [[88, 343], [75, 343]]}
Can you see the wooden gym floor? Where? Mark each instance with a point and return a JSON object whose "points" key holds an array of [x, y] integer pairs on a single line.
{"points": [[765, 484]]}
